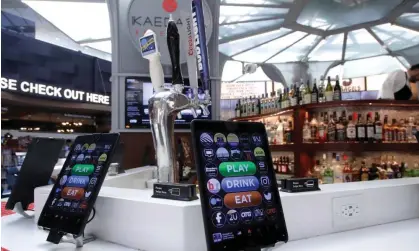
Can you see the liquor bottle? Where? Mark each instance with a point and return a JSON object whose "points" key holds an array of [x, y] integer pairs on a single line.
{"points": [[394, 131], [257, 106], [288, 132], [387, 134], [271, 102], [249, 106], [314, 126], [378, 128], [286, 98], [307, 94], [317, 172], [396, 168], [244, 107], [237, 110], [356, 172], [278, 100], [351, 130], [300, 92], [370, 134], [360, 129], [409, 130], [314, 93], [344, 119], [331, 129], [338, 170], [340, 131], [328, 175], [329, 91], [364, 171], [347, 170], [294, 96], [321, 91], [322, 128], [306, 130], [402, 131], [337, 91], [280, 133]]}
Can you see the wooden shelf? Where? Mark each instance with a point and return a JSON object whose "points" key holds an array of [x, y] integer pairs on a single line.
{"points": [[361, 147], [266, 115], [282, 148]]}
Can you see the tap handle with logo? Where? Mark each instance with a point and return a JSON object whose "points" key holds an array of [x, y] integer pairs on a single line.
{"points": [[173, 43]]}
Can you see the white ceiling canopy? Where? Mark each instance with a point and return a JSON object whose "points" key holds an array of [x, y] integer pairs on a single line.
{"points": [[318, 30]]}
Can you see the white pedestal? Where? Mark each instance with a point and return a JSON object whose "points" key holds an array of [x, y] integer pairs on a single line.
{"points": [[132, 218]]}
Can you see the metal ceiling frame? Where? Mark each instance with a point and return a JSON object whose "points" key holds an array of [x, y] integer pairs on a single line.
{"points": [[253, 20]]}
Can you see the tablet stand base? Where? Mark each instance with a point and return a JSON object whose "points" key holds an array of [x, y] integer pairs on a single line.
{"points": [[19, 210], [78, 241]]}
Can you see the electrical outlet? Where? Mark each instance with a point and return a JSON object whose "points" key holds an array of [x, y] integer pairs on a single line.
{"points": [[347, 212]]}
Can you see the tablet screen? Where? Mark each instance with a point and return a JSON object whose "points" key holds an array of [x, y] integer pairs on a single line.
{"points": [[73, 195], [239, 193]]}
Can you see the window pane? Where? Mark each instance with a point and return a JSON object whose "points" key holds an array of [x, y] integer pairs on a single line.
{"points": [[297, 51], [396, 37], [362, 44], [330, 50]]}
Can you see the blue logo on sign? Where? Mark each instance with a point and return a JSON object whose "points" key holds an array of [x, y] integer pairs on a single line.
{"points": [[246, 216], [78, 181], [240, 184], [257, 139], [218, 237]]}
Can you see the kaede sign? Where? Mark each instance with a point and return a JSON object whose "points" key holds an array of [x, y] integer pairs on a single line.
{"points": [[53, 91]]}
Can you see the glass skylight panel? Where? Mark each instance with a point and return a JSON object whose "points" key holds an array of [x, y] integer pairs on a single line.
{"points": [[396, 37], [370, 66], [232, 70], [263, 52], [79, 20], [362, 44], [105, 46], [235, 29], [329, 50], [234, 47], [296, 52], [409, 20], [245, 10]]}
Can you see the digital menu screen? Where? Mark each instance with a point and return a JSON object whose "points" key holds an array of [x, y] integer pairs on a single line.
{"points": [[137, 93], [240, 190]]}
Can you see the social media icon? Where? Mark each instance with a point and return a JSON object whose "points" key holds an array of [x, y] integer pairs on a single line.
{"points": [[63, 180], [222, 154], [91, 148], [246, 216], [92, 182], [73, 157], [60, 203], [261, 165], [220, 139], [85, 147], [206, 139], [53, 201], [216, 202], [267, 196], [103, 157], [259, 214], [264, 180], [87, 158], [232, 217], [217, 237], [209, 154], [271, 213], [218, 219], [77, 147], [259, 153], [244, 139], [257, 139], [87, 194], [211, 170], [213, 186], [98, 168]]}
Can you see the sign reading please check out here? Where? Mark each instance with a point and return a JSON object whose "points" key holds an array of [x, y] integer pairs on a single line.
{"points": [[53, 91]]}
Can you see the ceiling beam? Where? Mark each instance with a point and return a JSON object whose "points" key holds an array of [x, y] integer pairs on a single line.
{"points": [[410, 27], [305, 58], [381, 42], [284, 49], [249, 34], [253, 20], [295, 11], [270, 40], [96, 40], [307, 29], [279, 6], [345, 40]]}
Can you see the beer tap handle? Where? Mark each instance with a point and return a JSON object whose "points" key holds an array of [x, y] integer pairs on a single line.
{"points": [[205, 110], [173, 43], [179, 115], [194, 113]]}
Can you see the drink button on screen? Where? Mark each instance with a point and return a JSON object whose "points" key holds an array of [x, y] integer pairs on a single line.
{"points": [[240, 184]]}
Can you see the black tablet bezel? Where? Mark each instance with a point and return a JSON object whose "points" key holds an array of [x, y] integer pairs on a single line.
{"points": [[71, 222], [23, 191], [272, 234]]}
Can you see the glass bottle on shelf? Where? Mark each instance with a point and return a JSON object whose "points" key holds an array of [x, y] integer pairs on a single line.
{"points": [[328, 174], [396, 169], [288, 132], [322, 129], [337, 91], [329, 90], [356, 171], [387, 130], [307, 94], [347, 170], [278, 100], [402, 131], [370, 134], [337, 169], [257, 106], [293, 96], [280, 133], [321, 91], [317, 171], [378, 129], [314, 136], [331, 129], [409, 130], [237, 110], [364, 171], [360, 129], [306, 130], [300, 92], [340, 131], [286, 98], [351, 130], [314, 93], [394, 131], [249, 106]]}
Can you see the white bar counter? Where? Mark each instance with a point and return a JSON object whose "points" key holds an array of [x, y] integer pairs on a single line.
{"points": [[132, 218]]}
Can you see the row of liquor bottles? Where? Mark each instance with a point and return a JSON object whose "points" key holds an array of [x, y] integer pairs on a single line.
{"points": [[283, 164], [341, 170], [358, 128], [298, 94]]}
